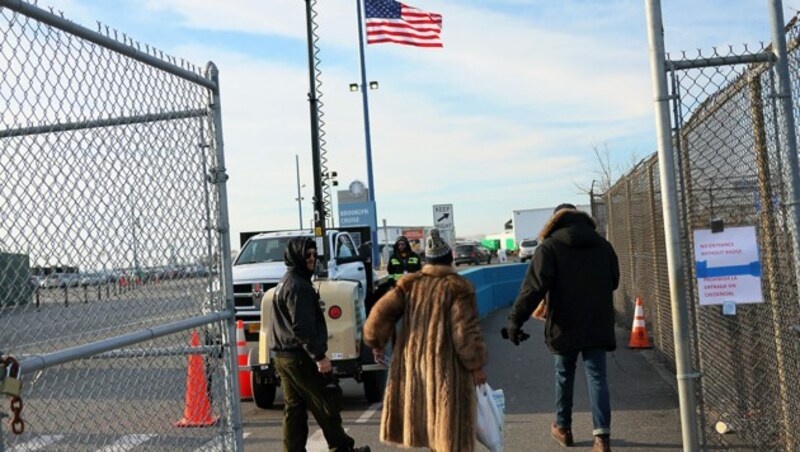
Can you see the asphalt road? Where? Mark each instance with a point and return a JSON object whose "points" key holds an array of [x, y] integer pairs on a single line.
{"points": [[644, 402], [83, 400]]}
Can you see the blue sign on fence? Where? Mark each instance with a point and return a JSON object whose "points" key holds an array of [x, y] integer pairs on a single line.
{"points": [[357, 214]]}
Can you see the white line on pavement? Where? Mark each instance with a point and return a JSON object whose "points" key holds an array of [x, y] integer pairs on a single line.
{"points": [[39, 442], [127, 442], [216, 444], [316, 442], [368, 414]]}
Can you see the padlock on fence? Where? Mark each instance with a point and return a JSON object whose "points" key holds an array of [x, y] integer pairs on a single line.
{"points": [[11, 385]]}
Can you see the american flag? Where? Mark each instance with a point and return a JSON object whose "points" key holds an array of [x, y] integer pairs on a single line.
{"points": [[391, 21]]}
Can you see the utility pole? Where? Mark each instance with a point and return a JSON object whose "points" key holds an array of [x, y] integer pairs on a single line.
{"points": [[313, 104]]}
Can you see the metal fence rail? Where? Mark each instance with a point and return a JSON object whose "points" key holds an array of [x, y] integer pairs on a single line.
{"points": [[113, 241], [731, 165]]}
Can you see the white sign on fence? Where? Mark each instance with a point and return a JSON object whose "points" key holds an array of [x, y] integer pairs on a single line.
{"points": [[727, 266]]}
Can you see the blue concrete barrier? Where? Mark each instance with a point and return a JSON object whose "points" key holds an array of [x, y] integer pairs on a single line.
{"points": [[496, 286]]}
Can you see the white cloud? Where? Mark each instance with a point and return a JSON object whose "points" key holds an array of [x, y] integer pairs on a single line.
{"points": [[502, 118], [504, 150]]}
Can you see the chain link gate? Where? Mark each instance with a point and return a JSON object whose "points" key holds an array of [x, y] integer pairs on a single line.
{"points": [[734, 168], [731, 164], [114, 245]]}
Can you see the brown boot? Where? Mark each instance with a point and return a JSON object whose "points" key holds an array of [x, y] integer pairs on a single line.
{"points": [[602, 443], [562, 435]]}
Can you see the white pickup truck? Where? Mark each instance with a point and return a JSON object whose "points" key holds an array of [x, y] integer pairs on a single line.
{"points": [[348, 286]]}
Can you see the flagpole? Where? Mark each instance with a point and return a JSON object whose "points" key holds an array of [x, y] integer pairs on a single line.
{"points": [[368, 139]]}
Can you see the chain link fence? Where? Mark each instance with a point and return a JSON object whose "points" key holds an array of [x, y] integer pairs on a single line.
{"points": [[114, 248], [731, 165]]}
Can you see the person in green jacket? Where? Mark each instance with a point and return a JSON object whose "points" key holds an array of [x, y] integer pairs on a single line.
{"points": [[403, 260]]}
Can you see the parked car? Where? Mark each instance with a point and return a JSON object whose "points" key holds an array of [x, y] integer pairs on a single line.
{"points": [[526, 249], [70, 279], [37, 281], [61, 280], [51, 280], [471, 254], [93, 279]]}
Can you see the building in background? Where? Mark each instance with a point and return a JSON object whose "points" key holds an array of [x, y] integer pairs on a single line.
{"points": [[15, 272]]}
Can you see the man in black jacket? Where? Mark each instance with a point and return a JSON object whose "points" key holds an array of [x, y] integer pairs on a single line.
{"points": [[299, 338], [576, 271]]}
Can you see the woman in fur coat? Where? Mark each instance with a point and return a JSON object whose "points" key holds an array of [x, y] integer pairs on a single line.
{"points": [[438, 356]]}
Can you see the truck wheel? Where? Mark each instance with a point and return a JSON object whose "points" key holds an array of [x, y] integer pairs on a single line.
{"points": [[374, 385], [263, 392]]}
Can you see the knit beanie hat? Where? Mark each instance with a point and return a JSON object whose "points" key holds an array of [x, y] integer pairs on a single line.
{"points": [[435, 246]]}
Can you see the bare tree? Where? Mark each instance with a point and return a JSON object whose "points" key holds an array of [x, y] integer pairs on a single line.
{"points": [[606, 173]]}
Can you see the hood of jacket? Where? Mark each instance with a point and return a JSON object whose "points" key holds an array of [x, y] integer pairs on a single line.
{"points": [[295, 255], [408, 246], [573, 227]]}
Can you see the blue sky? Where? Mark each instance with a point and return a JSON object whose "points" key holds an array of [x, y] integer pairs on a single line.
{"points": [[504, 117]]}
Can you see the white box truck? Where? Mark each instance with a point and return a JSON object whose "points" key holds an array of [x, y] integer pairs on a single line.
{"points": [[528, 223]]}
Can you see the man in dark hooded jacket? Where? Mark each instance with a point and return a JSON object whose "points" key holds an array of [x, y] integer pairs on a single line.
{"points": [[299, 338], [403, 260], [575, 271]]}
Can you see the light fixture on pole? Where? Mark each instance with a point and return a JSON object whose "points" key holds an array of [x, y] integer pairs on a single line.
{"points": [[329, 178], [355, 87]]}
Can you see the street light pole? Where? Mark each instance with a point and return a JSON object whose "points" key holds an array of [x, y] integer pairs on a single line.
{"points": [[134, 225], [299, 198], [385, 240], [365, 101]]}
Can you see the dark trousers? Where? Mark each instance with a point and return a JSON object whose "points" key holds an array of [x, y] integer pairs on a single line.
{"points": [[304, 388]]}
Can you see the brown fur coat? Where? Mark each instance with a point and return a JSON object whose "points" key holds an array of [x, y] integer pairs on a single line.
{"points": [[430, 394]]}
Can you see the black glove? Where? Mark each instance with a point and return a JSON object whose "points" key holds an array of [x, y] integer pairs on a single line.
{"points": [[514, 333]]}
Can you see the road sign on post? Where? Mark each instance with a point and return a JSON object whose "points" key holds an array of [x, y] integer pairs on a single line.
{"points": [[443, 216]]}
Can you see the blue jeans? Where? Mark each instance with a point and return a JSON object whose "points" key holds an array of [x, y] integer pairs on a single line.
{"points": [[594, 362]]}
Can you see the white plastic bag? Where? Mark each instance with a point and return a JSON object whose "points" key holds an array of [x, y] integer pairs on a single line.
{"points": [[500, 403], [490, 417]]}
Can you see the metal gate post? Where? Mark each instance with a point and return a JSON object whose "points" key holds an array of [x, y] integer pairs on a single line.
{"points": [[666, 164], [785, 95], [227, 274], [2, 420]]}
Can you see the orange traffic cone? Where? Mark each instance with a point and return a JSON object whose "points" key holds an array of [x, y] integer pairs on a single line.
{"points": [[198, 407], [245, 389], [639, 338]]}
